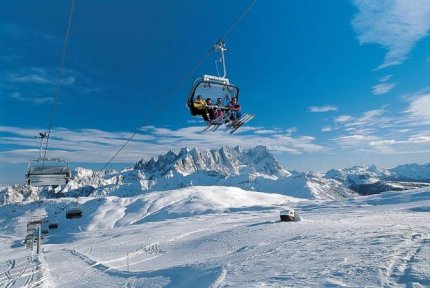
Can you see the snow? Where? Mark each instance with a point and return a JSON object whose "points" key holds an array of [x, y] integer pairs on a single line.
{"points": [[413, 171], [219, 236]]}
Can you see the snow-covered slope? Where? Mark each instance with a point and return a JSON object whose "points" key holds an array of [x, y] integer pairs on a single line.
{"points": [[221, 237]]}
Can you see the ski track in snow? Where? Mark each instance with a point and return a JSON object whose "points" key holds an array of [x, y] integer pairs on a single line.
{"points": [[375, 241], [25, 273]]}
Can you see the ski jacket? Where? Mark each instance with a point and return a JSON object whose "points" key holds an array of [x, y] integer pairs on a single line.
{"points": [[199, 104], [235, 106]]}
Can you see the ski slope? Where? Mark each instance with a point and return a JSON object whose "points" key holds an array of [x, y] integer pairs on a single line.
{"points": [[222, 237]]}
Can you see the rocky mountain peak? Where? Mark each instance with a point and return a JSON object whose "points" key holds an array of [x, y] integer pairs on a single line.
{"points": [[224, 160]]}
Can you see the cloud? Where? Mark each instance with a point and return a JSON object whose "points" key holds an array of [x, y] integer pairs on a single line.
{"points": [[385, 78], [41, 76], [322, 108], [385, 132], [396, 25], [326, 129], [36, 100], [355, 140], [98, 146], [37, 84], [382, 88], [418, 110], [416, 144], [343, 119], [369, 122]]}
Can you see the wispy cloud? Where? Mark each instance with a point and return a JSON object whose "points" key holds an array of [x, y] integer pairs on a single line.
{"points": [[41, 76], [397, 25], [36, 85], [97, 146], [367, 123], [355, 140], [382, 88], [35, 100], [381, 131], [385, 78], [415, 144], [343, 119], [326, 129], [40, 79], [322, 108], [418, 110]]}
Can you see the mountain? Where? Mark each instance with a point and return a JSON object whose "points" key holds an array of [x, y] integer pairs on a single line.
{"points": [[372, 180], [413, 172], [255, 169]]}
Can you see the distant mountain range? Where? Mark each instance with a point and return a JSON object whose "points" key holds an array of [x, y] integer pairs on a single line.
{"points": [[255, 169], [367, 180]]}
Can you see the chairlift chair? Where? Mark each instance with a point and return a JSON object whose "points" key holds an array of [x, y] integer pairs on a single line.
{"points": [[212, 86], [74, 212], [47, 172]]}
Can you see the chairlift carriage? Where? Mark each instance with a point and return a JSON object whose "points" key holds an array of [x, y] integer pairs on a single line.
{"points": [[215, 87], [74, 211], [47, 171]]}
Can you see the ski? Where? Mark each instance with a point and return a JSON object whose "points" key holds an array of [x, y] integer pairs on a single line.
{"points": [[239, 123], [214, 124]]}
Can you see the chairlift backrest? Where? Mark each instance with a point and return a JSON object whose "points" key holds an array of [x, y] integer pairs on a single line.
{"points": [[47, 172]]}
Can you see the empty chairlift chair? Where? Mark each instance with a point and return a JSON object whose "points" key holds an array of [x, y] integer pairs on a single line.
{"points": [[53, 225], [47, 172], [74, 212]]}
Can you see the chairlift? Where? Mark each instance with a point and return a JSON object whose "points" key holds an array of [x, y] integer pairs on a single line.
{"points": [[47, 171], [213, 86], [74, 212]]}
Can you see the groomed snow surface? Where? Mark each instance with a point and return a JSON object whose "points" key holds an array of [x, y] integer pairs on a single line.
{"points": [[221, 237]]}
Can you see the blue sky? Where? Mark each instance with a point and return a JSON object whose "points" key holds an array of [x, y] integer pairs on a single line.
{"points": [[332, 83]]}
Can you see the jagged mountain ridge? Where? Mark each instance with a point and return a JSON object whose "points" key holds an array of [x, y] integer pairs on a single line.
{"points": [[224, 161]]}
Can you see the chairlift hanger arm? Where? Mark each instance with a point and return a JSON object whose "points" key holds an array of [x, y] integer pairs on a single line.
{"points": [[220, 45]]}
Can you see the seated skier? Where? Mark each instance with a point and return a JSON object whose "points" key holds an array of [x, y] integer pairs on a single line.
{"points": [[211, 110], [200, 108], [235, 109], [218, 112]]}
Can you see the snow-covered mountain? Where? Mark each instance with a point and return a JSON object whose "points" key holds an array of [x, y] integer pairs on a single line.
{"points": [[224, 162], [174, 222], [255, 169], [371, 179], [413, 172]]}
